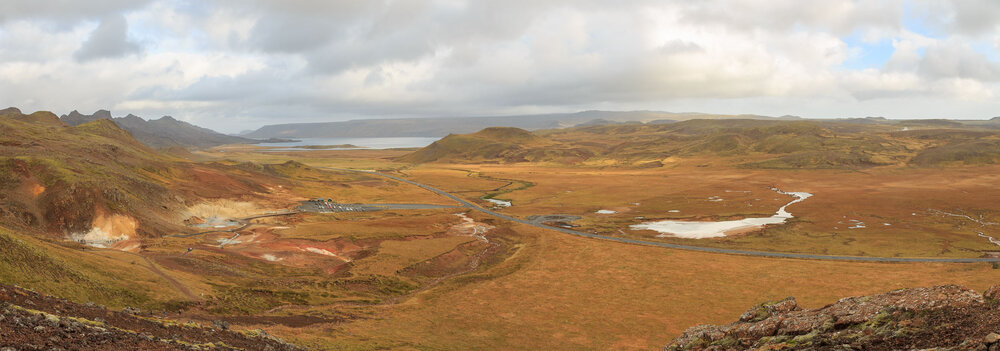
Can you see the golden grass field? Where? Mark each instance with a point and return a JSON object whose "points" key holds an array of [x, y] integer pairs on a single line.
{"points": [[408, 279], [896, 203], [563, 292]]}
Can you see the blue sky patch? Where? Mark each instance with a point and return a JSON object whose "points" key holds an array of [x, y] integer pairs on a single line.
{"points": [[867, 55]]}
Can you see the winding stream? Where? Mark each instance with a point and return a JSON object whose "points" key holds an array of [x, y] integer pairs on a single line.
{"points": [[701, 230]]}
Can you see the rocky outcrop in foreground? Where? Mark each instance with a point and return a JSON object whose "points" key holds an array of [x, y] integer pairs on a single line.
{"points": [[945, 317], [32, 321]]}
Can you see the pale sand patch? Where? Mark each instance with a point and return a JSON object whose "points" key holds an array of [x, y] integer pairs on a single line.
{"points": [[224, 208], [271, 257], [324, 252], [107, 230], [469, 227]]}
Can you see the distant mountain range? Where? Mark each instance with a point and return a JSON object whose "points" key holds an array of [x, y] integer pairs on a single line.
{"points": [[160, 133], [442, 126]]}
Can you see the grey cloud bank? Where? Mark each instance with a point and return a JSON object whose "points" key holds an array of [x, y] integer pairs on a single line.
{"points": [[235, 65]]}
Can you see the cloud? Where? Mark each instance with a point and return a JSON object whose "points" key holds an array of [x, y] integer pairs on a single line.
{"points": [[214, 62], [974, 17], [957, 60], [64, 12], [108, 40]]}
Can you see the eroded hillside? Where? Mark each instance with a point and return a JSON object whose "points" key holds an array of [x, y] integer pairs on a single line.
{"points": [[95, 183]]}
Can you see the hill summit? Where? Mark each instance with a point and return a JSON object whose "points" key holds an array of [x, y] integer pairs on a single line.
{"points": [[505, 134], [39, 117], [161, 133], [495, 144]]}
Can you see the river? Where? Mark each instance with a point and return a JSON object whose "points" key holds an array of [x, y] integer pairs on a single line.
{"points": [[701, 230]]}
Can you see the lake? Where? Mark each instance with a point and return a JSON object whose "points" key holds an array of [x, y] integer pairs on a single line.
{"points": [[367, 143]]}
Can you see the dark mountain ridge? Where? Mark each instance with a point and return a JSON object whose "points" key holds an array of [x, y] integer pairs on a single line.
{"points": [[159, 133]]}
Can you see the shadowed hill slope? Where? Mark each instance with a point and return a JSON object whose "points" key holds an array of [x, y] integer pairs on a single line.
{"points": [[160, 133]]}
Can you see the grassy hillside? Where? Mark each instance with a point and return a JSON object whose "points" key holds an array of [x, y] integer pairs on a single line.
{"points": [[58, 179], [748, 142], [967, 152], [495, 143], [62, 272]]}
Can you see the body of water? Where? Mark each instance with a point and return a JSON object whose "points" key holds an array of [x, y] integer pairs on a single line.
{"points": [[700, 230], [367, 143]]}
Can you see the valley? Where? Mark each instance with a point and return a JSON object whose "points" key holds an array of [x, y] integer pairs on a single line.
{"points": [[484, 240], [500, 175]]}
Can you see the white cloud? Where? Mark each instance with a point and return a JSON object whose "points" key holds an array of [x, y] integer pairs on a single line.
{"points": [[216, 62]]}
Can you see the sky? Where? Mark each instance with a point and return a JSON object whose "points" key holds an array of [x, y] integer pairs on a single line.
{"points": [[237, 65]]}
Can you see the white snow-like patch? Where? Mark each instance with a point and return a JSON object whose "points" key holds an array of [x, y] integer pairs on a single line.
{"points": [[97, 237], [499, 203], [271, 257], [674, 211], [324, 252], [606, 212], [229, 241], [478, 231], [106, 231], [700, 230]]}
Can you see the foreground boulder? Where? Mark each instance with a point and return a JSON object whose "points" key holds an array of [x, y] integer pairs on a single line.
{"points": [[945, 317]]}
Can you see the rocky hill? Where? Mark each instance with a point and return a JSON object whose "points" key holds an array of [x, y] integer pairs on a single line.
{"points": [[63, 180], [160, 133], [32, 321], [942, 318]]}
